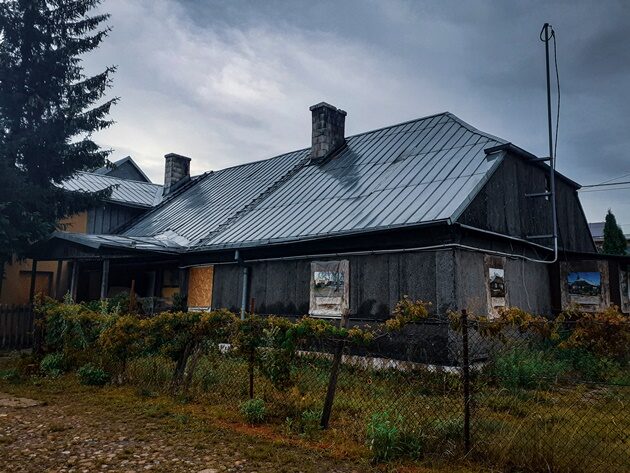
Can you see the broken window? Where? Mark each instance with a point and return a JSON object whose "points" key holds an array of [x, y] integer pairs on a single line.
{"points": [[496, 287], [330, 285]]}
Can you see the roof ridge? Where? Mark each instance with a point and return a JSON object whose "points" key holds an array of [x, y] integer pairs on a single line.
{"points": [[123, 179], [472, 129], [259, 198]]}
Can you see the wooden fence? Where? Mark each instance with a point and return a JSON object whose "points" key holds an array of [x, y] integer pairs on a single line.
{"points": [[16, 327]]}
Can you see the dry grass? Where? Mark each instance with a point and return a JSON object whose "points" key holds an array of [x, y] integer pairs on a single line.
{"points": [[579, 428]]}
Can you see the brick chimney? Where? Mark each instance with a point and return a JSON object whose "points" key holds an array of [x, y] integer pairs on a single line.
{"points": [[328, 130], [176, 172]]}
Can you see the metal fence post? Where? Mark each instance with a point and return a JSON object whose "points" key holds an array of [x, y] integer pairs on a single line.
{"points": [[466, 376]]}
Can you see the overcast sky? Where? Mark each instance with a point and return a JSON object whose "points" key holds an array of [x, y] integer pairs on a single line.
{"points": [[227, 82]]}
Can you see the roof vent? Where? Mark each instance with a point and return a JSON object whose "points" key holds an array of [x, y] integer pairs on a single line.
{"points": [[328, 131], [176, 172]]}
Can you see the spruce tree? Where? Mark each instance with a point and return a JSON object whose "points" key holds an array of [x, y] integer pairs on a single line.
{"points": [[49, 110], [614, 239]]}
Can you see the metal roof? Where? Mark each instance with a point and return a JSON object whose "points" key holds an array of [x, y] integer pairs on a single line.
{"points": [[412, 173], [126, 191], [409, 174], [216, 199], [152, 244], [116, 164]]}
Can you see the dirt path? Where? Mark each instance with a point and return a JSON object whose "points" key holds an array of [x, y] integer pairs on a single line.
{"points": [[97, 432]]}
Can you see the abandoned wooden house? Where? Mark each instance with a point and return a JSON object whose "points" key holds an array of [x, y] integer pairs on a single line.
{"points": [[431, 208]]}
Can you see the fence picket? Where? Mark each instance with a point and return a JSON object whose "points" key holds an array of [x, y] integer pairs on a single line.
{"points": [[16, 327]]}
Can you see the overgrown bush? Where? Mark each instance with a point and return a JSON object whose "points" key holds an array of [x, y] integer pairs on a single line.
{"points": [[92, 375], [53, 364], [253, 411]]}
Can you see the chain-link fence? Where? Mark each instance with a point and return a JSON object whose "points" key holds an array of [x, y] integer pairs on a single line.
{"points": [[512, 399]]}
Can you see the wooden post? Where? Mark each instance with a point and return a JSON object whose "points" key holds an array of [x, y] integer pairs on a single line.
{"points": [[74, 280], [334, 373], [466, 376], [252, 303], [58, 294], [105, 279], [31, 292], [132, 296]]}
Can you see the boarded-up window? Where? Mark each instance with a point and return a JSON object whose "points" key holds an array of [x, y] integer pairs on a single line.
{"points": [[586, 284], [200, 280], [330, 288]]}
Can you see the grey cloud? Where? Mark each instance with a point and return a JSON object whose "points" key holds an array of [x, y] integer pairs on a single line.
{"points": [[229, 82]]}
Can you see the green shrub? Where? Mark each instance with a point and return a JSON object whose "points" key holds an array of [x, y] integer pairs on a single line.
{"points": [[208, 378], [253, 411], [310, 422], [526, 369], [383, 437], [53, 364], [12, 375], [92, 375], [590, 366]]}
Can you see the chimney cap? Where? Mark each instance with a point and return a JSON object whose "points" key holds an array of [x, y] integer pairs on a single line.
{"points": [[327, 105], [175, 155]]}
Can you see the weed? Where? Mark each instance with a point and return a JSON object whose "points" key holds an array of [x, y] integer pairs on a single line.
{"points": [[383, 437], [91, 375], [253, 411], [526, 369], [53, 364], [11, 375]]}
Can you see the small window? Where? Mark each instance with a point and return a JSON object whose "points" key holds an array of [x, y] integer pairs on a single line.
{"points": [[330, 283]]}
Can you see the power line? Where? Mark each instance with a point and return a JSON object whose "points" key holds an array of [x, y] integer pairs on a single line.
{"points": [[604, 190], [605, 184], [615, 178]]}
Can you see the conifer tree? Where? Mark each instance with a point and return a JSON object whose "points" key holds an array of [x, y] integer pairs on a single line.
{"points": [[614, 240], [49, 110]]}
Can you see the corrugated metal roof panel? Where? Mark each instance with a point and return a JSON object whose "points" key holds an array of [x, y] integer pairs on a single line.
{"points": [[137, 193]]}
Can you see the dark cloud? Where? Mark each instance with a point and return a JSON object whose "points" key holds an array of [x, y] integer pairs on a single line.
{"points": [[229, 82]]}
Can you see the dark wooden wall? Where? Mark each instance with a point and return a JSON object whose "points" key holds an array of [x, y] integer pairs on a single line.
{"points": [[108, 217], [127, 171], [377, 283], [502, 207]]}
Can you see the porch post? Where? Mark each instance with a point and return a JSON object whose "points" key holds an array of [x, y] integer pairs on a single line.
{"points": [[74, 280], [105, 279], [58, 294], [31, 293], [152, 284]]}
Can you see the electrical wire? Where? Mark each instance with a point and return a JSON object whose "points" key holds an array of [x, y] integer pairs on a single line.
{"points": [[609, 180], [605, 190]]}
